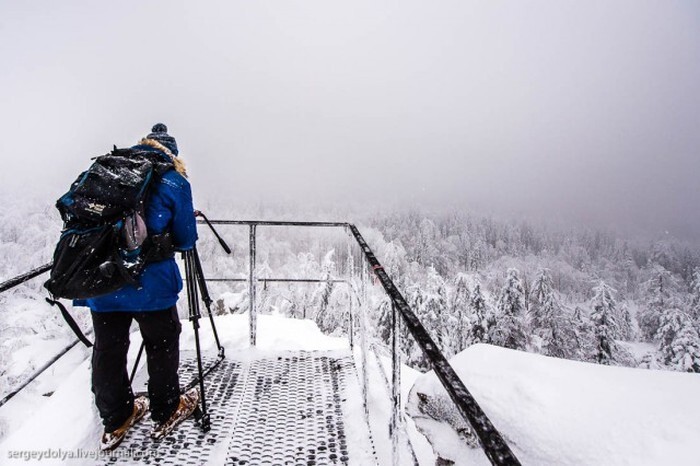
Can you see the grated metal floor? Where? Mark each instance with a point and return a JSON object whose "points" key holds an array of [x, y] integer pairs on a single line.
{"points": [[291, 408]]}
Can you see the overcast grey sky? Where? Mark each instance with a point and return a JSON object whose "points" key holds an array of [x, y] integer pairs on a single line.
{"points": [[580, 109]]}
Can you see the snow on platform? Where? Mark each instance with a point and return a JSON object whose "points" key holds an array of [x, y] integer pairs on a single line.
{"points": [[295, 399], [296, 408], [557, 412]]}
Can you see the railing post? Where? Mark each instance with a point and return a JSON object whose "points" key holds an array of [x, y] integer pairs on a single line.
{"points": [[351, 322], [252, 283], [350, 272], [363, 336], [395, 385]]}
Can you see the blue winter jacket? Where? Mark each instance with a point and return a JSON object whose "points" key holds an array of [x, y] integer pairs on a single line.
{"points": [[169, 207]]}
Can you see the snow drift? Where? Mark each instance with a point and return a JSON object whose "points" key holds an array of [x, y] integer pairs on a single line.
{"points": [[553, 411]]}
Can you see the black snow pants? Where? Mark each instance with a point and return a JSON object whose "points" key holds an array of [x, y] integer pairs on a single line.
{"points": [[110, 379]]}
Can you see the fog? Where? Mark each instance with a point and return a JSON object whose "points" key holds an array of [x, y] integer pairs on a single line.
{"points": [[582, 111]]}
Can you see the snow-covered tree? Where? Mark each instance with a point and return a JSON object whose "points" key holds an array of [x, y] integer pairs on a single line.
{"points": [[434, 312], [679, 343], [550, 321], [605, 327], [459, 309], [481, 318], [476, 256], [560, 339], [624, 320], [583, 326], [384, 322], [543, 301], [413, 355], [657, 291], [694, 306], [394, 262], [686, 349], [510, 329], [426, 252], [302, 297], [327, 316]]}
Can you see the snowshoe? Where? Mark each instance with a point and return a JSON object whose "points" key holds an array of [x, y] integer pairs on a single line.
{"points": [[111, 440], [188, 403]]}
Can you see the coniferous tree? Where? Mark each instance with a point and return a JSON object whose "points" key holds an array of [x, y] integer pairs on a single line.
{"points": [[459, 308], [394, 262], [686, 349], [510, 329], [543, 301], [384, 322], [605, 327], [551, 321], [630, 271], [434, 312], [263, 296], [679, 343], [584, 329], [625, 323], [413, 354], [302, 299], [657, 292], [476, 257], [561, 340], [694, 309], [670, 323], [325, 317], [480, 319]]}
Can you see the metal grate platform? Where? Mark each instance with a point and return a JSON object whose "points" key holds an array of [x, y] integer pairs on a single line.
{"points": [[291, 408]]}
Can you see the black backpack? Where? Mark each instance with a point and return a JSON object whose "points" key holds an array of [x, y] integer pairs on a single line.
{"points": [[104, 244]]}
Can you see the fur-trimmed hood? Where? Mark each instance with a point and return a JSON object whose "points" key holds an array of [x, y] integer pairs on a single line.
{"points": [[177, 161]]}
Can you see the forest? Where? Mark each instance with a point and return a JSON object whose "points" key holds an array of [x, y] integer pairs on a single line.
{"points": [[568, 292]]}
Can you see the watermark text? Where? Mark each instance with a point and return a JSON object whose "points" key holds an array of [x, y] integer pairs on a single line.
{"points": [[76, 454]]}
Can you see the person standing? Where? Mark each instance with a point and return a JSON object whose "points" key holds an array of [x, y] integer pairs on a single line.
{"points": [[169, 214]]}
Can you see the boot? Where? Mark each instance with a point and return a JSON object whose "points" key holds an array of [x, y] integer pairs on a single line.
{"points": [[188, 403], [111, 440]]}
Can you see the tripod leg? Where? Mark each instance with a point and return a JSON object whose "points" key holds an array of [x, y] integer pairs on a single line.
{"points": [[206, 298], [136, 363], [193, 301]]}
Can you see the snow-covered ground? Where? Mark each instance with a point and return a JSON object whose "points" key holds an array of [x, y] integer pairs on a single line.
{"points": [[40, 423], [552, 411]]}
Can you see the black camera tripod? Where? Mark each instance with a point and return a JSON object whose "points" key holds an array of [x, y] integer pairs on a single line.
{"points": [[196, 284]]}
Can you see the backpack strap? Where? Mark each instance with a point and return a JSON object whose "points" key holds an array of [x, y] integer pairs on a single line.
{"points": [[71, 322]]}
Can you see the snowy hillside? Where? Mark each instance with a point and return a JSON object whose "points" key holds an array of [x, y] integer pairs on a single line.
{"points": [[553, 411]]}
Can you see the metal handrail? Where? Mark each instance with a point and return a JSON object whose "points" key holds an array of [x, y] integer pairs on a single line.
{"points": [[18, 280], [493, 444]]}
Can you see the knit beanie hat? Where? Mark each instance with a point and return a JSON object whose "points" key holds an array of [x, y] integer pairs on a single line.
{"points": [[159, 133]]}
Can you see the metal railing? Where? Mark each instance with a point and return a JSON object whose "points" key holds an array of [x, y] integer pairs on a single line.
{"points": [[493, 444], [18, 280]]}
